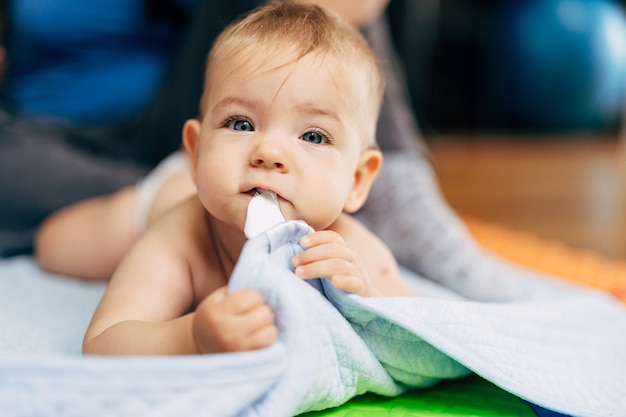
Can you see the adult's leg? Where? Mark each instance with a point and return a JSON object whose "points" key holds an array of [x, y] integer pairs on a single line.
{"points": [[406, 208], [41, 172], [397, 128]]}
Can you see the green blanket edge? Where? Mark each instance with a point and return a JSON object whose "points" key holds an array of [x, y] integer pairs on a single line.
{"points": [[469, 396]]}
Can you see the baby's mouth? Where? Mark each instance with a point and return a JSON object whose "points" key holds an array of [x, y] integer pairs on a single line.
{"points": [[264, 192]]}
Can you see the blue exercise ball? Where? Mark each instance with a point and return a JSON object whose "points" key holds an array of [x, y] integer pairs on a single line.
{"points": [[566, 63]]}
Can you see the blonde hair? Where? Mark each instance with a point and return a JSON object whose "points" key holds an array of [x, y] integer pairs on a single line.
{"points": [[302, 28]]}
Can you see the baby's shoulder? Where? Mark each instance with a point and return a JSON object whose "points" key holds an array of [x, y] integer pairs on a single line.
{"points": [[182, 224], [351, 229], [361, 239]]}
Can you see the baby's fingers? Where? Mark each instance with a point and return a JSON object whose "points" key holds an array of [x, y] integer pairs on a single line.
{"points": [[256, 329], [325, 261], [234, 322], [350, 284], [242, 301], [321, 237], [262, 337], [322, 268]]}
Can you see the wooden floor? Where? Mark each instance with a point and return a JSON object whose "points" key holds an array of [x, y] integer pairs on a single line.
{"points": [[572, 190]]}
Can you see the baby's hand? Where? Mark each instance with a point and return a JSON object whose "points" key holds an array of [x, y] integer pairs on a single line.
{"points": [[326, 255], [233, 322]]}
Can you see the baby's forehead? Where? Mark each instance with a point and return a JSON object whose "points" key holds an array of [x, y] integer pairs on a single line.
{"points": [[259, 60], [346, 75]]}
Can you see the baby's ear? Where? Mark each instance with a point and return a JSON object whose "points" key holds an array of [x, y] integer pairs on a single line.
{"points": [[191, 139], [367, 169]]}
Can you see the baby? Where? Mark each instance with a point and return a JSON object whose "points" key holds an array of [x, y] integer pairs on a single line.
{"points": [[292, 95]]}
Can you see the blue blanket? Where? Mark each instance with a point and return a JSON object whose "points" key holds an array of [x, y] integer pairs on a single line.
{"points": [[565, 351]]}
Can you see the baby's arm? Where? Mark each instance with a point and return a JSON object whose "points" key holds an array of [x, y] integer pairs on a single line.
{"points": [[223, 323], [147, 308], [144, 309], [353, 258]]}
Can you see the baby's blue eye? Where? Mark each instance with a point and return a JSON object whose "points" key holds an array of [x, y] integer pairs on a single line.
{"points": [[313, 137], [241, 125]]}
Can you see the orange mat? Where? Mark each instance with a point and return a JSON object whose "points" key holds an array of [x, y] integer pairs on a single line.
{"points": [[551, 257]]}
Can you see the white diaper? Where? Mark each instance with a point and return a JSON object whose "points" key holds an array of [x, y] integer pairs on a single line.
{"points": [[148, 187]]}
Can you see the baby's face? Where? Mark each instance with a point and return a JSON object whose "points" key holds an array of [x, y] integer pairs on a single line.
{"points": [[297, 129]]}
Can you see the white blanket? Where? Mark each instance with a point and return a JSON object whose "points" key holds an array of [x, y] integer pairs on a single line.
{"points": [[565, 352]]}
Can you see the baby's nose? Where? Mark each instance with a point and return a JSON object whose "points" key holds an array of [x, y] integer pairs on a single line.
{"points": [[269, 154]]}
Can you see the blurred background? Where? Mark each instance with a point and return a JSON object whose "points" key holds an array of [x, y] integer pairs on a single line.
{"points": [[522, 102]]}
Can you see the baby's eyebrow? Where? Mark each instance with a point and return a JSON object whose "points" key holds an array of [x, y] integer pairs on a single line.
{"points": [[313, 110], [234, 101]]}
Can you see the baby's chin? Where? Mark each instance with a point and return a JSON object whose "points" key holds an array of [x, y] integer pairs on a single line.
{"points": [[320, 224]]}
